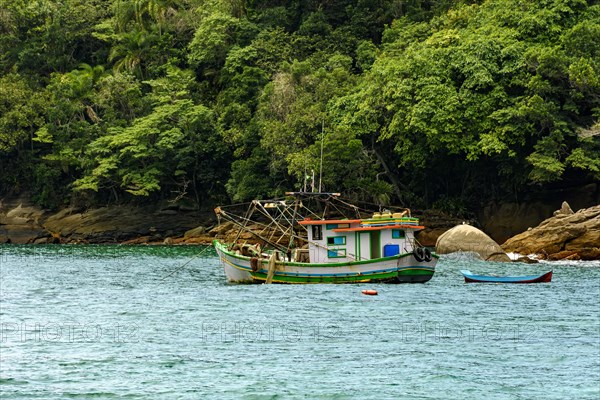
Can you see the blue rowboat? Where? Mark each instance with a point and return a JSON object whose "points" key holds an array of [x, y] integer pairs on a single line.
{"points": [[471, 278]]}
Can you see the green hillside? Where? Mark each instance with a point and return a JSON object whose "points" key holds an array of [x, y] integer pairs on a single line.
{"points": [[444, 104]]}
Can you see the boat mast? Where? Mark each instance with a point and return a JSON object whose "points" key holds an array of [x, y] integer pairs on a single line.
{"points": [[322, 141]]}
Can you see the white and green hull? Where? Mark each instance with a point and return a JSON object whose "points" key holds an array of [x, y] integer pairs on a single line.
{"points": [[402, 268]]}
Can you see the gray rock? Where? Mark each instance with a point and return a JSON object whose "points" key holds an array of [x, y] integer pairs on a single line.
{"points": [[23, 222], [526, 260], [196, 232], [576, 232], [466, 238], [565, 209], [21, 234]]}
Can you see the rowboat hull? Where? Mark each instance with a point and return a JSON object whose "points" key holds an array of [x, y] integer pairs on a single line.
{"points": [[473, 278], [402, 268]]}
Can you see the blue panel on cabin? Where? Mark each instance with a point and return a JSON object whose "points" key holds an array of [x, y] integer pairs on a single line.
{"points": [[339, 240], [391, 250]]}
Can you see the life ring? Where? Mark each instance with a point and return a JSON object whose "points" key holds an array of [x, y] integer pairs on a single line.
{"points": [[427, 256], [419, 254], [254, 264], [369, 292]]}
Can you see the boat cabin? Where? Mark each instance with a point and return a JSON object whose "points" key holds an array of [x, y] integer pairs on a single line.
{"points": [[346, 240]]}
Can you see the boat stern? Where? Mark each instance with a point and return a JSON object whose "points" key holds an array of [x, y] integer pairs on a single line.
{"points": [[413, 269]]}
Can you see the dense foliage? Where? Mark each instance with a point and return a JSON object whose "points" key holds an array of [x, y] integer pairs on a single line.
{"points": [[423, 103]]}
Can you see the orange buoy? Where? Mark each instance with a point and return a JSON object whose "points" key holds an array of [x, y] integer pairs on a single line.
{"points": [[370, 292]]}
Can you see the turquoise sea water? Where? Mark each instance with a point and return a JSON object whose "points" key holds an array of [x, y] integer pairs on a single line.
{"points": [[123, 322]]}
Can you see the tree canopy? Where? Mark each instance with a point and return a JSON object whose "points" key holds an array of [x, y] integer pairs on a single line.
{"points": [[442, 104]]}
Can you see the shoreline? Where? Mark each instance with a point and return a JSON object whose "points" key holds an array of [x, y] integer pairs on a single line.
{"points": [[21, 222]]}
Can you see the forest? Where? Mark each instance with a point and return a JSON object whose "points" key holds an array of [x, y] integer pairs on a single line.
{"points": [[443, 104]]}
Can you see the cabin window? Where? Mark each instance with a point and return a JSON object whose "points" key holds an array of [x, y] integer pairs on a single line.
{"points": [[336, 226], [336, 241], [398, 234], [317, 232], [336, 253]]}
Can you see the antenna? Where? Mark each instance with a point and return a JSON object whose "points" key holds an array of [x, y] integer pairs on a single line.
{"points": [[305, 176], [322, 140]]}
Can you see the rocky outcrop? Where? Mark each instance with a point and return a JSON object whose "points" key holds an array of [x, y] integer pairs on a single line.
{"points": [[470, 239], [120, 223], [22, 223], [566, 235], [565, 209], [205, 235], [506, 219]]}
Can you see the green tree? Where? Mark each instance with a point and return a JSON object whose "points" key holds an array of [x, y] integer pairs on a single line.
{"points": [[46, 36], [159, 151], [483, 89]]}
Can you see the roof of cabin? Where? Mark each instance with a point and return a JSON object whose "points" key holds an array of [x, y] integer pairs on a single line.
{"points": [[329, 221], [378, 228]]}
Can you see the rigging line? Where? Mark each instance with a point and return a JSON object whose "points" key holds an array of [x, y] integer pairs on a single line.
{"points": [[272, 235], [236, 205], [232, 220], [264, 211], [325, 210], [338, 209], [249, 212], [266, 226], [282, 219], [377, 206], [284, 216], [309, 211], [286, 231], [263, 227], [292, 226], [242, 219], [351, 206], [186, 263]]}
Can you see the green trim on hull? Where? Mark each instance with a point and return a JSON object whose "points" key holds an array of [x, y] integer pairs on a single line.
{"points": [[415, 271], [415, 276], [383, 277]]}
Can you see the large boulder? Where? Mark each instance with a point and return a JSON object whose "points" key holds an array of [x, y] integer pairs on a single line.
{"points": [[468, 238], [574, 235], [436, 223]]}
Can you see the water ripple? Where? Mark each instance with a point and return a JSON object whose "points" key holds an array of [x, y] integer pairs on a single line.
{"points": [[128, 322]]}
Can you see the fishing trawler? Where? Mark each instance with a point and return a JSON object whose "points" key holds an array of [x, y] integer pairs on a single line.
{"points": [[292, 244]]}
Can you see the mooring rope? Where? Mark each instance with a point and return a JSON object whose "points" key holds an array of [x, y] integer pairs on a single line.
{"points": [[186, 263]]}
